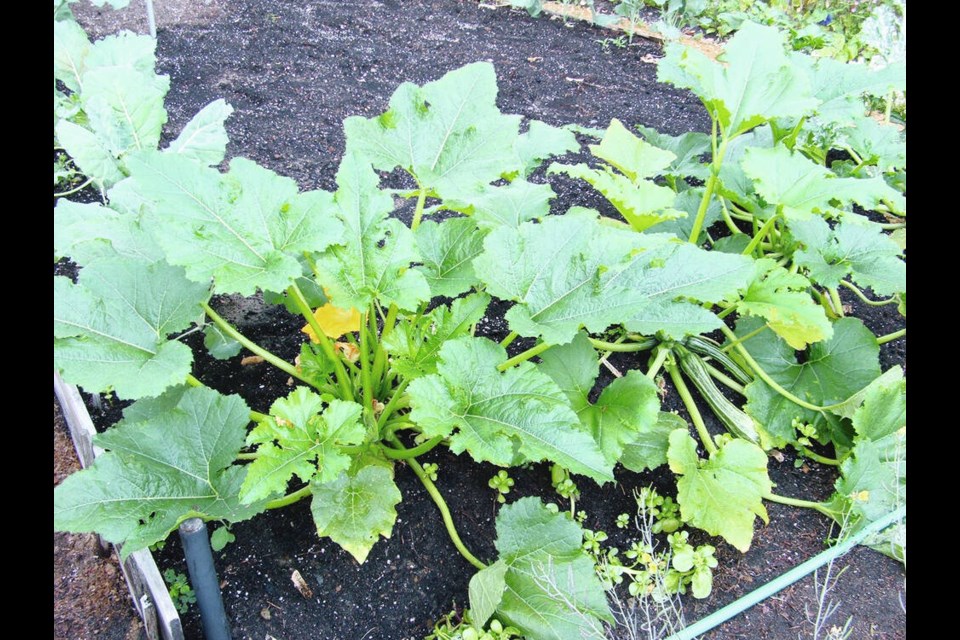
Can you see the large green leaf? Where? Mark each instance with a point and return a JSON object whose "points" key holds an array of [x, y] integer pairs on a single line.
{"points": [[86, 232], [833, 371], [447, 251], [507, 418], [124, 106], [372, 261], [70, 49], [803, 187], [840, 86], [754, 82], [204, 138], [643, 204], [627, 408], [89, 153], [675, 274], [571, 271], [854, 248], [449, 134], [509, 205], [781, 298], [245, 229], [630, 191], [110, 329], [160, 471], [631, 155], [878, 143], [688, 149], [649, 450], [722, 494], [301, 438], [415, 348], [356, 508], [486, 591], [550, 588], [541, 141], [559, 274]]}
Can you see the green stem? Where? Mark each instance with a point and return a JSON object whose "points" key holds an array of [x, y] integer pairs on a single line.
{"points": [[737, 342], [835, 301], [763, 375], [418, 212], [255, 416], [724, 379], [658, 361], [248, 456], [74, 190], [894, 225], [296, 496], [723, 314], [819, 458], [860, 294], [718, 154], [513, 335], [523, 357], [343, 379], [396, 454], [251, 346], [646, 345], [734, 229], [892, 336], [441, 505], [795, 502], [691, 408], [366, 364], [392, 404], [702, 210], [764, 230]]}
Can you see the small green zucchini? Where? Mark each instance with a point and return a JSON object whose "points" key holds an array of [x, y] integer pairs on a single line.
{"points": [[734, 419], [710, 349]]}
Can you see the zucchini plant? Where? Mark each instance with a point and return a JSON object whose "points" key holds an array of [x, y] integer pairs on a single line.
{"points": [[391, 367]]}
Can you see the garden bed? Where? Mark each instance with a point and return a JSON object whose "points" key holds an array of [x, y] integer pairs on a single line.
{"points": [[293, 71]]}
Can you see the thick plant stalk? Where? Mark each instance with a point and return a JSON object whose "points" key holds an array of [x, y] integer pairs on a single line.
{"points": [[343, 380]]}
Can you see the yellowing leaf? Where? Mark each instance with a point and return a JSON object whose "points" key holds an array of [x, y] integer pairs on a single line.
{"points": [[334, 321]]}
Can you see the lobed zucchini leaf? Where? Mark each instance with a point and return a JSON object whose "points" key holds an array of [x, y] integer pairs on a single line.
{"points": [[803, 188], [833, 371], [372, 259], [449, 134], [599, 275], [543, 582], [301, 438], [357, 507], [631, 191], [627, 408], [854, 248], [781, 298], [722, 494], [447, 250], [508, 418], [755, 81], [158, 472], [110, 329], [245, 229]]}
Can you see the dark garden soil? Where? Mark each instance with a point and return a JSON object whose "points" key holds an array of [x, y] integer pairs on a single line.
{"points": [[293, 70], [90, 598]]}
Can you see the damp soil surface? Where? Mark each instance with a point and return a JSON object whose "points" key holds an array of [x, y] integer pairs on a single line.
{"points": [[293, 70]]}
